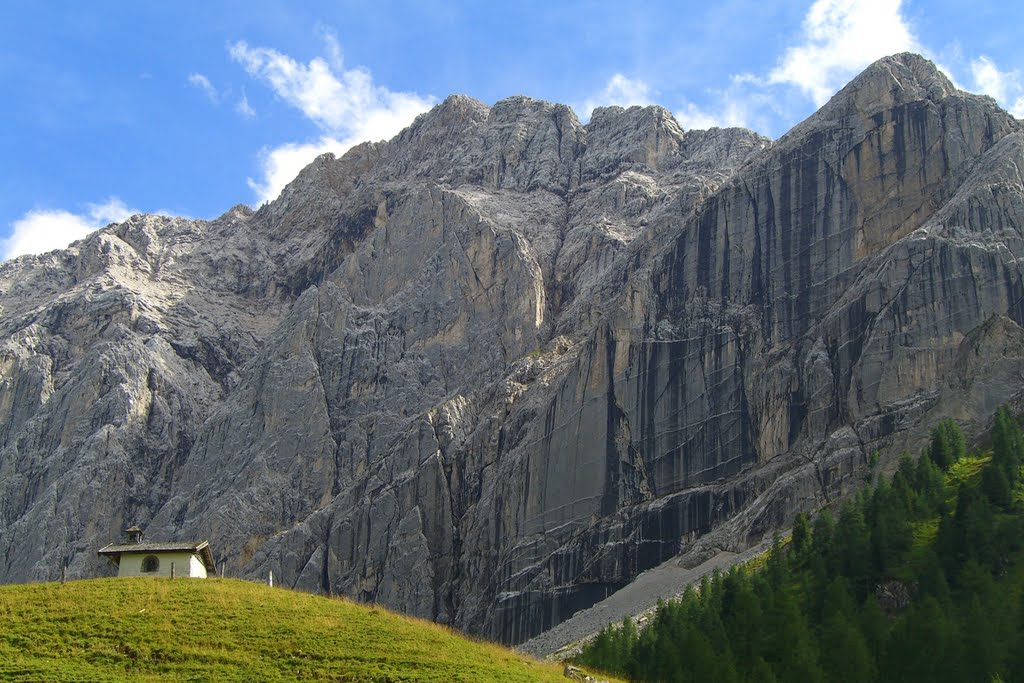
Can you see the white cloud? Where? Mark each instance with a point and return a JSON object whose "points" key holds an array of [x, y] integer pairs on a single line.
{"points": [[840, 38], [988, 79], [732, 108], [43, 230], [244, 109], [1005, 87], [203, 83], [746, 103], [281, 164], [345, 104], [692, 116], [619, 91], [334, 54], [729, 113]]}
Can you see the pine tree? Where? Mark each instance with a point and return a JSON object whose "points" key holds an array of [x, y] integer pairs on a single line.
{"points": [[710, 624], [955, 439], [985, 653], [903, 488], [1007, 444], [845, 654], [801, 533], [930, 486], [776, 570], [625, 642], [742, 614], [996, 486], [933, 580], [700, 662], [853, 547], [788, 644], [761, 672], [824, 528], [644, 665], [891, 533], [924, 646], [940, 450], [974, 526], [600, 653], [1016, 639], [874, 625]]}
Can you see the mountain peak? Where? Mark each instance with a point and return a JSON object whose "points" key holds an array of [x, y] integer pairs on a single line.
{"points": [[907, 76], [455, 112], [518, 107], [652, 114], [886, 84]]}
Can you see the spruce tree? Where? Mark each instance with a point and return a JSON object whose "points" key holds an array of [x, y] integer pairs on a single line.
{"points": [[996, 486], [940, 450], [955, 439], [801, 533], [1007, 444], [853, 547], [985, 652], [845, 654], [874, 625], [824, 527], [925, 645], [931, 488]]}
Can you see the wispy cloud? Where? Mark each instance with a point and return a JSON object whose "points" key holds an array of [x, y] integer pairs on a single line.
{"points": [[43, 230], [345, 104], [346, 101], [203, 83], [1005, 87], [335, 57], [738, 112], [840, 38], [243, 107], [745, 102], [837, 40], [279, 165], [618, 91]]}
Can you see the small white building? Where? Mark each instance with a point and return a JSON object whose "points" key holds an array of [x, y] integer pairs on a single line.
{"points": [[188, 558]]}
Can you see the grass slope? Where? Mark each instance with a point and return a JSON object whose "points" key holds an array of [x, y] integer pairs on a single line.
{"points": [[228, 630]]}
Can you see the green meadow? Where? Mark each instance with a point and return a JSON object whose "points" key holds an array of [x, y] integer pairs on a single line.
{"points": [[144, 629]]}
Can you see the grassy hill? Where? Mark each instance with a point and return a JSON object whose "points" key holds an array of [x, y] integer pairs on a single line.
{"points": [[228, 630]]}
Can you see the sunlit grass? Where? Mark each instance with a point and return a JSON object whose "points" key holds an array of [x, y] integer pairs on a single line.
{"points": [[965, 470], [228, 630], [757, 562]]}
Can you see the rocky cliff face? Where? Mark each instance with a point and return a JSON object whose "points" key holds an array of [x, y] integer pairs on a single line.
{"points": [[489, 371]]}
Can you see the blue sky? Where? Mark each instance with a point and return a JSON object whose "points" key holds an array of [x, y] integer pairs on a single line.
{"points": [[189, 108]]}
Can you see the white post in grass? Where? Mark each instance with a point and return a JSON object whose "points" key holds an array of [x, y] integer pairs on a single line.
{"points": [[270, 579]]}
